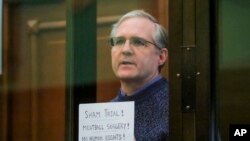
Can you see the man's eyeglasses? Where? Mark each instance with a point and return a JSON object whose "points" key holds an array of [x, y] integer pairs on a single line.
{"points": [[133, 41]]}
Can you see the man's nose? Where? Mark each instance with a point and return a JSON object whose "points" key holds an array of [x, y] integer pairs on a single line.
{"points": [[127, 48]]}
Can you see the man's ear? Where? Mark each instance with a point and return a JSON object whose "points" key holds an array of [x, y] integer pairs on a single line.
{"points": [[163, 56]]}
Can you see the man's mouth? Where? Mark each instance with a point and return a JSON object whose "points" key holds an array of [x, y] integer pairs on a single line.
{"points": [[126, 63]]}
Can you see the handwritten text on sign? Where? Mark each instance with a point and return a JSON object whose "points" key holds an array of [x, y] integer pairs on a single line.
{"points": [[106, 121]]}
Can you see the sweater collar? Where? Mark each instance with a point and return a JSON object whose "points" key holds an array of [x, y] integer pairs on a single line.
{"points": [[123, 94]]}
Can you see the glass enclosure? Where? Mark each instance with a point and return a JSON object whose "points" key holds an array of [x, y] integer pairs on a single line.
{"points": [[34, 83], [33, 80]]}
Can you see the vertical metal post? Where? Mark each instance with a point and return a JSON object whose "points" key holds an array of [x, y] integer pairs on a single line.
{"points": [[81, 60], [189, 70]]}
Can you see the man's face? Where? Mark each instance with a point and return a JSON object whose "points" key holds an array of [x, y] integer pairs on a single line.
{"points": [[136, 64]]}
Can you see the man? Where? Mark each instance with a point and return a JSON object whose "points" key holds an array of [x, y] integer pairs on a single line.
{"points": [[138, 53]]}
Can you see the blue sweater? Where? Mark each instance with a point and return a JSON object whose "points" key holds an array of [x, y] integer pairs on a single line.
{"points": [[151, 111]]}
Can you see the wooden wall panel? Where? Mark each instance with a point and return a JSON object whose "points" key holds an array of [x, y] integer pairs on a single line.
{"points": [[36, 73]]}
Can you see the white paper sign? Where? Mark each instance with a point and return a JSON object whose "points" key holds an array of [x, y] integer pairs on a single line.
{"points": [[112, 121]]}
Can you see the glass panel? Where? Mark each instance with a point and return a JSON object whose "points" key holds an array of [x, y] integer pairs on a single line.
{"points": [[35, 63], [233, 65]]}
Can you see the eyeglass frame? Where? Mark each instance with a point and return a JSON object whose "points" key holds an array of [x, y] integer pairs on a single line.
{"points": [[132, 41]]}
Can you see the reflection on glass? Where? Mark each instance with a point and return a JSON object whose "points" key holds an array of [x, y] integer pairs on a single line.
{"points": [[35, 70], [234, 67]]}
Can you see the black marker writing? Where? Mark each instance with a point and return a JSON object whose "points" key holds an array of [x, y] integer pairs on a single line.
{"points": [[117, 126], [110, 113], [114, 137], [92, 114], [93, 127]]}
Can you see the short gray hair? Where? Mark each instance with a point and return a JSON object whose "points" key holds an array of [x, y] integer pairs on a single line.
{"points": [[159, 36]]}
